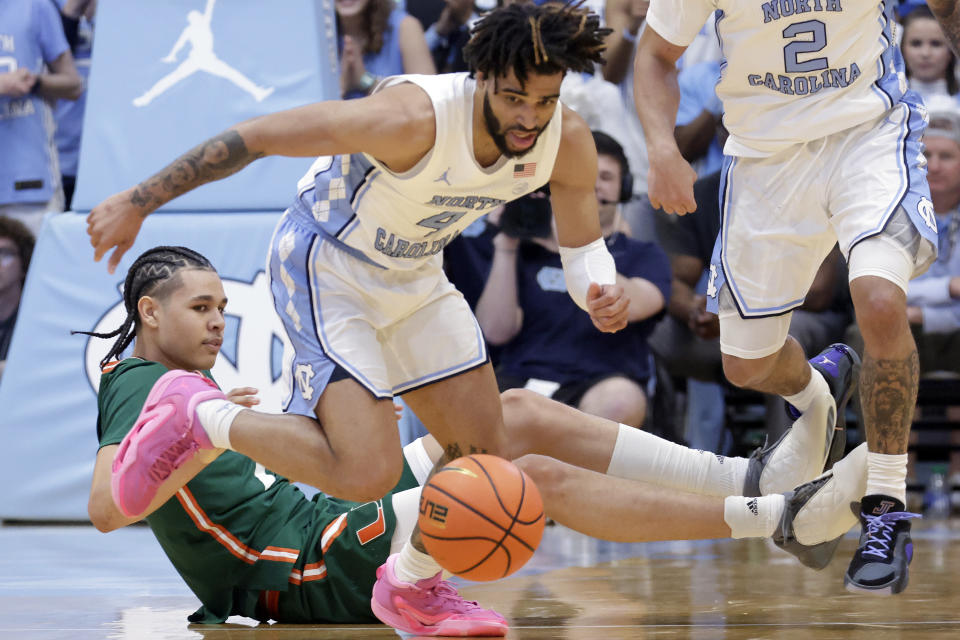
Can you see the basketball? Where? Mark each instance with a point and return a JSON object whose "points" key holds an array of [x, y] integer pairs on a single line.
{"points": [[481, 517]]}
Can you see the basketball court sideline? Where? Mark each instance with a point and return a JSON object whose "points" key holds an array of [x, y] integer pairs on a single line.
{"points": [[74, 582]]}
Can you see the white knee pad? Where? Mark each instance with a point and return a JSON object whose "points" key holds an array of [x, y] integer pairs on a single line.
{"points": [[749, 338], [882, 257]]}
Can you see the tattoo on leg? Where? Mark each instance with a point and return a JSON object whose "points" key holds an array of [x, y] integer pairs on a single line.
{"points": [[450, 453], [214, 159], [888, 394]]}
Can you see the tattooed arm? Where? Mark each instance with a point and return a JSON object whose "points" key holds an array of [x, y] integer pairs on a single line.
{"points": [[395, 125], [949, 18]]}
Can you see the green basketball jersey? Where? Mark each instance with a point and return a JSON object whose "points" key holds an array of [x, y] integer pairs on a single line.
{"points": [[238, 531]]}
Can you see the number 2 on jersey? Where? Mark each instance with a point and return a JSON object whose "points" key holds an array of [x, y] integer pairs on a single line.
{"points": [[817, 41]]}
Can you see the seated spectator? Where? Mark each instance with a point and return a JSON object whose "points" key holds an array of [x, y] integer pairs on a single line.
{"points": [[377, 39], [548, 344], [35, 66], [16, 248], [927, 58]]}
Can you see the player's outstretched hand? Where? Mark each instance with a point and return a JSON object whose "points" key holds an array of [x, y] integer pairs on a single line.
{"points": [[607, 306], [115, 222], [670, 185], [244, 396]]}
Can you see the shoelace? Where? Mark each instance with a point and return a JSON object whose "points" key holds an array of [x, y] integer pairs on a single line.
{"points": [[446, 591], [880, 530]]}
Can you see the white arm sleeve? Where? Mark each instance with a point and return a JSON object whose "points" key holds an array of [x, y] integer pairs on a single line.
{"points": [[586, 264]]}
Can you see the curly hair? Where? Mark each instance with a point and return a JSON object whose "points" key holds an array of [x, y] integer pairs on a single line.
{"points": [[154, 273], [526, 38], [376, 18], [22, 237]]}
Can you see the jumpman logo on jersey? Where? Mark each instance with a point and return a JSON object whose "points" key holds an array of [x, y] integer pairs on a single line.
{"points": [[201, 58], [443, 176]]}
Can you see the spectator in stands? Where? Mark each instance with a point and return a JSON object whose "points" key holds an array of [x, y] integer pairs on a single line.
{"points": [[933, 302], [546, 346], [447, 36], [378, 39], [16, 248], [927, 56], [699, 130], [35, 65], [77, 19]]}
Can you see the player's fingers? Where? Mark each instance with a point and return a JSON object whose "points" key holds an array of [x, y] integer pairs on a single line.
{"points": [[117, 255]]}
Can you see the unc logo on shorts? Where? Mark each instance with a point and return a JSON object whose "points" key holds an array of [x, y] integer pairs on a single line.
{"points": [[712, 282], [261, 343], [304, 376], [925, 209]]}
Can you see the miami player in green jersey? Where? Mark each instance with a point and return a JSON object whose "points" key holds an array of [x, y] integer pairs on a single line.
{"points": [[247, 542]]}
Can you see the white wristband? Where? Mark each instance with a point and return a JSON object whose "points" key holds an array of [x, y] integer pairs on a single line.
{"points": [[585, 265]]}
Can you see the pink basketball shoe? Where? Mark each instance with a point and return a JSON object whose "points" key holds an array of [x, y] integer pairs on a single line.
{"points": [[165, 435], [430, 607]]}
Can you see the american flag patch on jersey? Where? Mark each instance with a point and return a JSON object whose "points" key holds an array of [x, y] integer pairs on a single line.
{"points": [[526, 170]]}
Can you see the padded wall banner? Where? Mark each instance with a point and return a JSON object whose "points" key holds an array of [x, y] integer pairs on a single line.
{"points": [[48, 402], [168, 74]]}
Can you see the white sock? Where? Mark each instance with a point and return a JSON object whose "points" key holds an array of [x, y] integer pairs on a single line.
{"points": [[887, 475], [216, 417], [413, 565], [753, 517], [638, 455], [816, 387]]}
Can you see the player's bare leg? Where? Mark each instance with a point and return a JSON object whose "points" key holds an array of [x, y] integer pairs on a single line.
{"points": [[463, 413], [888, 394]]}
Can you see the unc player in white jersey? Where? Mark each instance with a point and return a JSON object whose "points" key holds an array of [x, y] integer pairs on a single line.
{"points": [[824, 147], [355, 263]]}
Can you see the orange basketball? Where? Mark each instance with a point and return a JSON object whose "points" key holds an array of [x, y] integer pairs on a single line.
{"points": [[481, 517]]}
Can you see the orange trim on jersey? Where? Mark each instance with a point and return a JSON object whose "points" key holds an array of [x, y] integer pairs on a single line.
{"points": [[375, 529], [110, 366], [311, 572], [332, 531], [229, 541]]}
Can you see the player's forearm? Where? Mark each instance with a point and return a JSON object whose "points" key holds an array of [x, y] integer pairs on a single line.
{"points": [[657, 96], [949, 18], [215, 159]]}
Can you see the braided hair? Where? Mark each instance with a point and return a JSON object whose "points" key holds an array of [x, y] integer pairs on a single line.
{"points": [[527, 38], [154, 273]]}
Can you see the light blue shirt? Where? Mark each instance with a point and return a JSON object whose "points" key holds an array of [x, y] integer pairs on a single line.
{"points": [[31, 36], [698, 92], [941, 313]]}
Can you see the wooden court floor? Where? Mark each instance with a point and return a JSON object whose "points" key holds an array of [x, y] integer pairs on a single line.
{"points": [[76, 583]]}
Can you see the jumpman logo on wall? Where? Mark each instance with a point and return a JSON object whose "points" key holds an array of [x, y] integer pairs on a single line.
{"points": [[199, 35]]}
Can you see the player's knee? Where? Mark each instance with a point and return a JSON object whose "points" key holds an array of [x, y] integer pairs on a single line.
{"points": [[746, 373], [368, 482], [521, 419], [548, 474], [881, 315]]}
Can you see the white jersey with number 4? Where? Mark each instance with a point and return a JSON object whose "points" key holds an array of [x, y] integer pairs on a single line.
{"points": [[403, 220], [793, 70]]}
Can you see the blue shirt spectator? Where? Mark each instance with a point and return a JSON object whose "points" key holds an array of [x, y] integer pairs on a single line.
{"points": [[31, 42], [700, 110]]}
